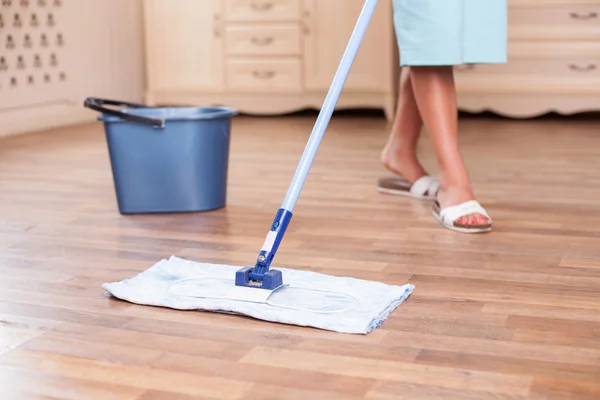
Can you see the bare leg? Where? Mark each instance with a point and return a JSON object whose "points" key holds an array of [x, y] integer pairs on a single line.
{"points": [[400, 153], [435, 96]]}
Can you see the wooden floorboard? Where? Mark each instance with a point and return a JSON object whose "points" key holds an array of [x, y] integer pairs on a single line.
{"points": [[510, 315]]}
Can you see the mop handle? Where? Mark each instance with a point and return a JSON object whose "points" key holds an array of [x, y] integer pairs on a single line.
{"points": [[329, 105], [284, 214]]}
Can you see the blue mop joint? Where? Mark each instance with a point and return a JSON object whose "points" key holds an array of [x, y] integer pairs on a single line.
{"points": [[260, 276]]}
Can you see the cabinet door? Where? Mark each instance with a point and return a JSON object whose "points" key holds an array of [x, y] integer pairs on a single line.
{"points": [[184, 45], [328, 26]]}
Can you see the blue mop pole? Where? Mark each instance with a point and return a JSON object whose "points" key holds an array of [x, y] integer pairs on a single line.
{"points": [[260, 276]]}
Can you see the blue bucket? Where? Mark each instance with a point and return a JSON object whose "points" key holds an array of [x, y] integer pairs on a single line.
{"points": [[167, 159]]}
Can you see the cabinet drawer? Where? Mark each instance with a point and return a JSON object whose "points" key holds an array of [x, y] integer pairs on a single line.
{"points": [[263, 40], [580, 76], [262, 10], [259, 75], [576, 68], [558, 21]]}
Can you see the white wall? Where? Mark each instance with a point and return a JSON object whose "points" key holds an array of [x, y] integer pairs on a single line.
{"points": [[102, 56]]}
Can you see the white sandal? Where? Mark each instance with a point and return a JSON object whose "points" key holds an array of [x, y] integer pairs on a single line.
{"points": [[449, 215], [424, 188]]}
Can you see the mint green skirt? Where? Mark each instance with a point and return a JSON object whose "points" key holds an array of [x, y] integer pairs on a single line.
{"points": [[451, 32]]}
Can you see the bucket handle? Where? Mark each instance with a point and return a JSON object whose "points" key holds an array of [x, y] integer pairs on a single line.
{"points": [[98, 105]]}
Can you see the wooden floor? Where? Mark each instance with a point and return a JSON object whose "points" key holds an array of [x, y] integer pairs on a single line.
{"points": [[510, 315]]}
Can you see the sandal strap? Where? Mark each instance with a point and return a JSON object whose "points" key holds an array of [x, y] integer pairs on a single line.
{"points": [[449, 215], [425, 185]]}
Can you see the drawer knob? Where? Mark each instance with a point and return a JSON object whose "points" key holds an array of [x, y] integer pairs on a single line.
{"points": [[261, 6], [579, 68], [262, 41], [583, 17], [263, 74]]}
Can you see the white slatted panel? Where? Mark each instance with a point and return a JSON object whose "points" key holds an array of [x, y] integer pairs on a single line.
{"points": [[54, 53], [35, 66]]}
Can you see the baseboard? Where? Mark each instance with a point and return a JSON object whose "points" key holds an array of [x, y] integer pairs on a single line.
{"points": [[28, 120]]}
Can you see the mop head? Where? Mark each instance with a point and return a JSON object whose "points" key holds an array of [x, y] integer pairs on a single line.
{"points": [[310, 299]]}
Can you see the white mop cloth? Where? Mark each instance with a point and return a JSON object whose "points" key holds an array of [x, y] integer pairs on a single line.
{"points": [[307, 298]]}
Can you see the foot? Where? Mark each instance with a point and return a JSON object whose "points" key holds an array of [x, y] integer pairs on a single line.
{"points": [[402, 160], [454, 195]]}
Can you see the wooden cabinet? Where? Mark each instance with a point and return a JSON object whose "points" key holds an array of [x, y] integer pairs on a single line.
{"points": [[55, 54], [266, 56], [325, 41], [184, 45], [553, 66]]}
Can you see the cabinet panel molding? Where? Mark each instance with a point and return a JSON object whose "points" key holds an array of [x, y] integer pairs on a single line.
{"points": [[284, 53]]}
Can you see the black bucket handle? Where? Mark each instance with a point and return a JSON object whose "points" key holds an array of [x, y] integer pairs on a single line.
{"points": [[98, 105]]}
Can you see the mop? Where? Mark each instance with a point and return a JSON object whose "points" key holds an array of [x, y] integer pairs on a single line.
{"points": [[304, 298]]}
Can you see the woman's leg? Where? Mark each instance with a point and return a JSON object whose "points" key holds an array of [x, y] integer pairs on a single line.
{"points": [[435, 95], [400, 152]]}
